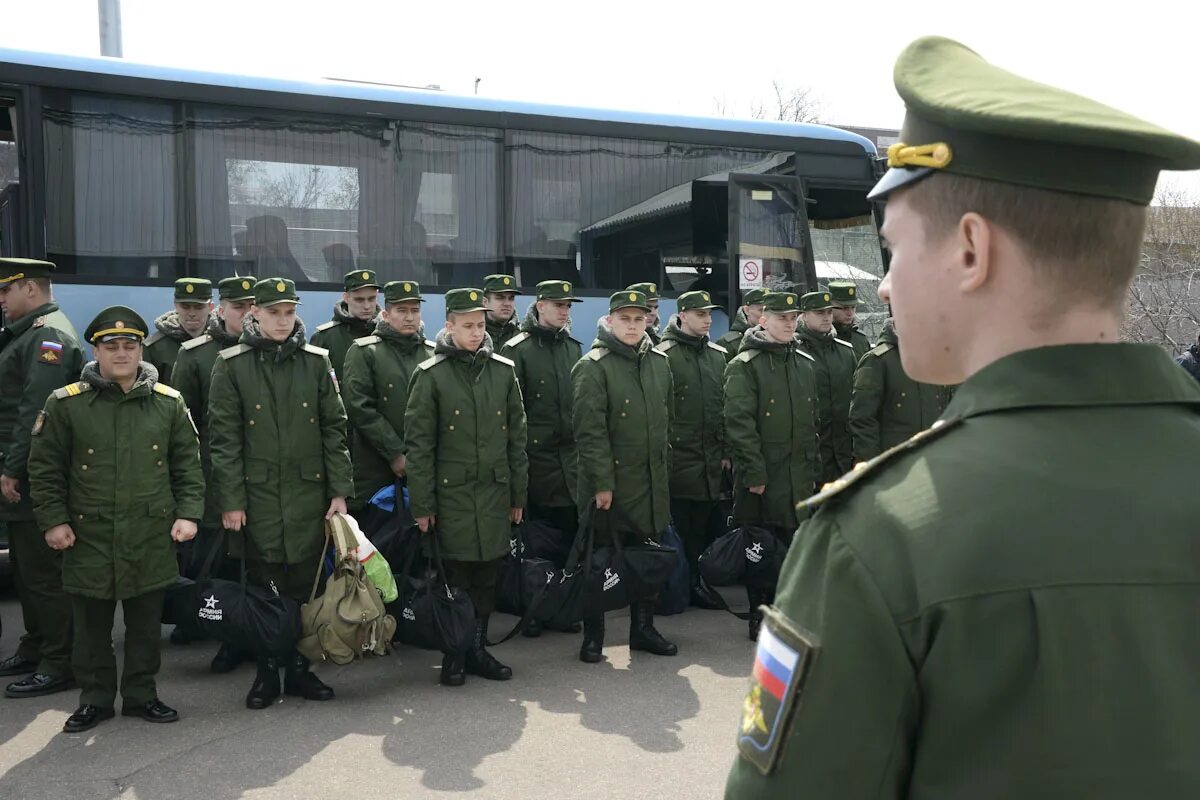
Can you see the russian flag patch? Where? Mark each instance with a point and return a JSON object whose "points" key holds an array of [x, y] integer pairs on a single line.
{"points": [[50, 352]]}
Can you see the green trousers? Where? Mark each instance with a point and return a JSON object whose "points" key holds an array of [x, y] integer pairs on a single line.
{"points": [[478, 579], [95, 663], [292, 580], [46, 608]]}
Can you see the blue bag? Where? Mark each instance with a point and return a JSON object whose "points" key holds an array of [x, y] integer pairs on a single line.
{"points": [[676, 593]]}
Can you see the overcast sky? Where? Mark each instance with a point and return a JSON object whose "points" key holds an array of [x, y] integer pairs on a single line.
{"points": [[653, 55]]}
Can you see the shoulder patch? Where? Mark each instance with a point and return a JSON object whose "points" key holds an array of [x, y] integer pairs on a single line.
{"points": [[333, 323], [236, 350], [316, 351], [664, 346], [73, 390], [503, 360], [865, 468], [800, 352], [153, 338], [658, 352], [881, 349], [596, 353], [718, 348], [432, 362], [366, 340], [199, 341], [163, 389], [843, 342], [39, 322], [516, 340], [747, 355]]}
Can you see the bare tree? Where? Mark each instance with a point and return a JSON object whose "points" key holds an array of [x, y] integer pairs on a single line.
{"points": [[1164, 299], [787, 103]]}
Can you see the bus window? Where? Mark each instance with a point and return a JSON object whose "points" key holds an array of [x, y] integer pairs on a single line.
{"points": [[11, 239], [845, 246]]}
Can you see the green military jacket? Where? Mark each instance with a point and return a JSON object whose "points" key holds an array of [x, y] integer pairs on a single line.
{"points": [[119, 468], [622, 420], [857, 339], [467, 466], [1003, 607], [834, 368], [731, 340], [771, 425], [38, 353], [501, 332], [339, 333], [162, 346], [888, 407], [698, 430], [192, 376], [542, 359], [277, 430], [375, 390]]}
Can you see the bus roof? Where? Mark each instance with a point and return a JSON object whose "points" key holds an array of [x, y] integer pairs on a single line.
{"points": [[349, 90]]}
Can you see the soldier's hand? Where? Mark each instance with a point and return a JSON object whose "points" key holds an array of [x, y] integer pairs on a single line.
{"points": [[603, 500], [336, 506], [60, 537], [184, 530], [726, 464], [425, 523], [233, 520], [515, 515], [10, 488], [758, 489], [400, 466]]}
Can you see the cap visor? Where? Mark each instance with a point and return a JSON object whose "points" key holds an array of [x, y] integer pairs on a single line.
{"points": [[630, 305], [898, 177], [277, 302], [465, 310]]}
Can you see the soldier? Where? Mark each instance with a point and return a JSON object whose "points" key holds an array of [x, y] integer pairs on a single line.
{"points": [[845, 307], [771, 424], [1005, 605], [192, 376], [652, 299], [39, 351], [834, 366], [115, 476], [543, 354], [698, 449], [354, 316], [378, 370], [468, 472], [888, 407], [277, 432], [191, 317], [622, 421], [500, 300], [747, 317]]}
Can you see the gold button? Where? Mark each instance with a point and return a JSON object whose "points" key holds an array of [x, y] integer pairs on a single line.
{"points": [[84, 466], [626, 401], [904, 394], [160, 463], [445, 480], [768, 413], [456, 412], [898, 405], [91, 451], [535, 441], [385, 398], [154, 447], [505, 427], [312, 419], [258, 406], [617, 462], [389, 386], [81, 516], [498, 413], [251, 422], [537, 395], [622, 413], [451, 427], [772, 401], [541, 381], [318, 474], [304, 404]]}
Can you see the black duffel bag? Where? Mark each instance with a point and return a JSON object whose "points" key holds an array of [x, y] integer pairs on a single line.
{"points": [[431, 614], [523, 577], [746, 556], [543, 540], [393, 532]]}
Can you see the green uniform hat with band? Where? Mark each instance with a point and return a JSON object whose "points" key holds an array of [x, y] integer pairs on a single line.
{"points": [[116, 322], [463, 301], [816, 301], [193, 290], [557, 290], [500, 283], [273, 291], [780, 302], [630, 298], [694, 301], [845, 293], [964, 116], [236, 288], [648, 289], [360, 279], [752, 297], [18, 269], [399, 291]]}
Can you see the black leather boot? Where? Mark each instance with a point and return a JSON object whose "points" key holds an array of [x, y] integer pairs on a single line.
{"points": [[592, 650], [298, 680], [479, 661], [265, 690], [533, 629], [642, 634], [453, 669], [703, 596]]}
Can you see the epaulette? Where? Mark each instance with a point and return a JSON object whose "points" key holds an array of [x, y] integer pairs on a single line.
{"points": [[72, 390], [366, 340], [881, 348], [865, 468], [192, 344], [432, 362], [504, 360], [843, 341], [333, 323], [664, 346], [236, 350], [39, 322], [718, 348], [747, 355], [316, 351], [516, 340], [163, 389], [431, 345], [152, 338], [801, 352], [597, 353], [658, 352]]}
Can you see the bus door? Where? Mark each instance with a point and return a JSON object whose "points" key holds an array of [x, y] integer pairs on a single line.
{"points": [[11, 226], [769, 245]]}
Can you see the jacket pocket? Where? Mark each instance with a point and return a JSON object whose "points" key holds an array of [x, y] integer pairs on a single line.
{"points": [[257, 471], [501, 475], [312, 469], [160, 509], [451, 474]]}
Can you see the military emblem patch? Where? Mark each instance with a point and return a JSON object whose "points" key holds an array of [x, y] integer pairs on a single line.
{"points": [[337, 387], [39, 422], [781, 665], [50, 353]]}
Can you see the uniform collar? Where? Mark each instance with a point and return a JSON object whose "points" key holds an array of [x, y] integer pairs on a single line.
{"points": [[19, 326]]}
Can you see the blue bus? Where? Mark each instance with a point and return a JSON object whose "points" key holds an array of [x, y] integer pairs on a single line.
{"points": [[128, 176]]}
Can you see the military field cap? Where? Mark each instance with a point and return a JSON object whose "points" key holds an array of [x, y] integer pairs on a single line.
{"points": [[964, 116], [18, 269], [647, 288], [557, 290], [845, 293], [630, 298], [692, 301], [236, 288], [500, 283], [193, 290], [116, 322], [399, 291], [752, 297], [816, 301], [273, 291], [360, 279], [780, 302], [462, 301]]}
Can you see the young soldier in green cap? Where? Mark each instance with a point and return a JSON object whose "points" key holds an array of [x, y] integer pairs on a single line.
{"points": [[192, 376], [354, 316], [468, 475], [652, 299], [834, 364], [995, 609], [748, 316], [845, 308], [543, 354], [888, 407], [378, 370], [277, 432], [39, 351], [191, 316], [771, 425], [698, 450], [622, 421], [115, 475], [500, 301]]}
